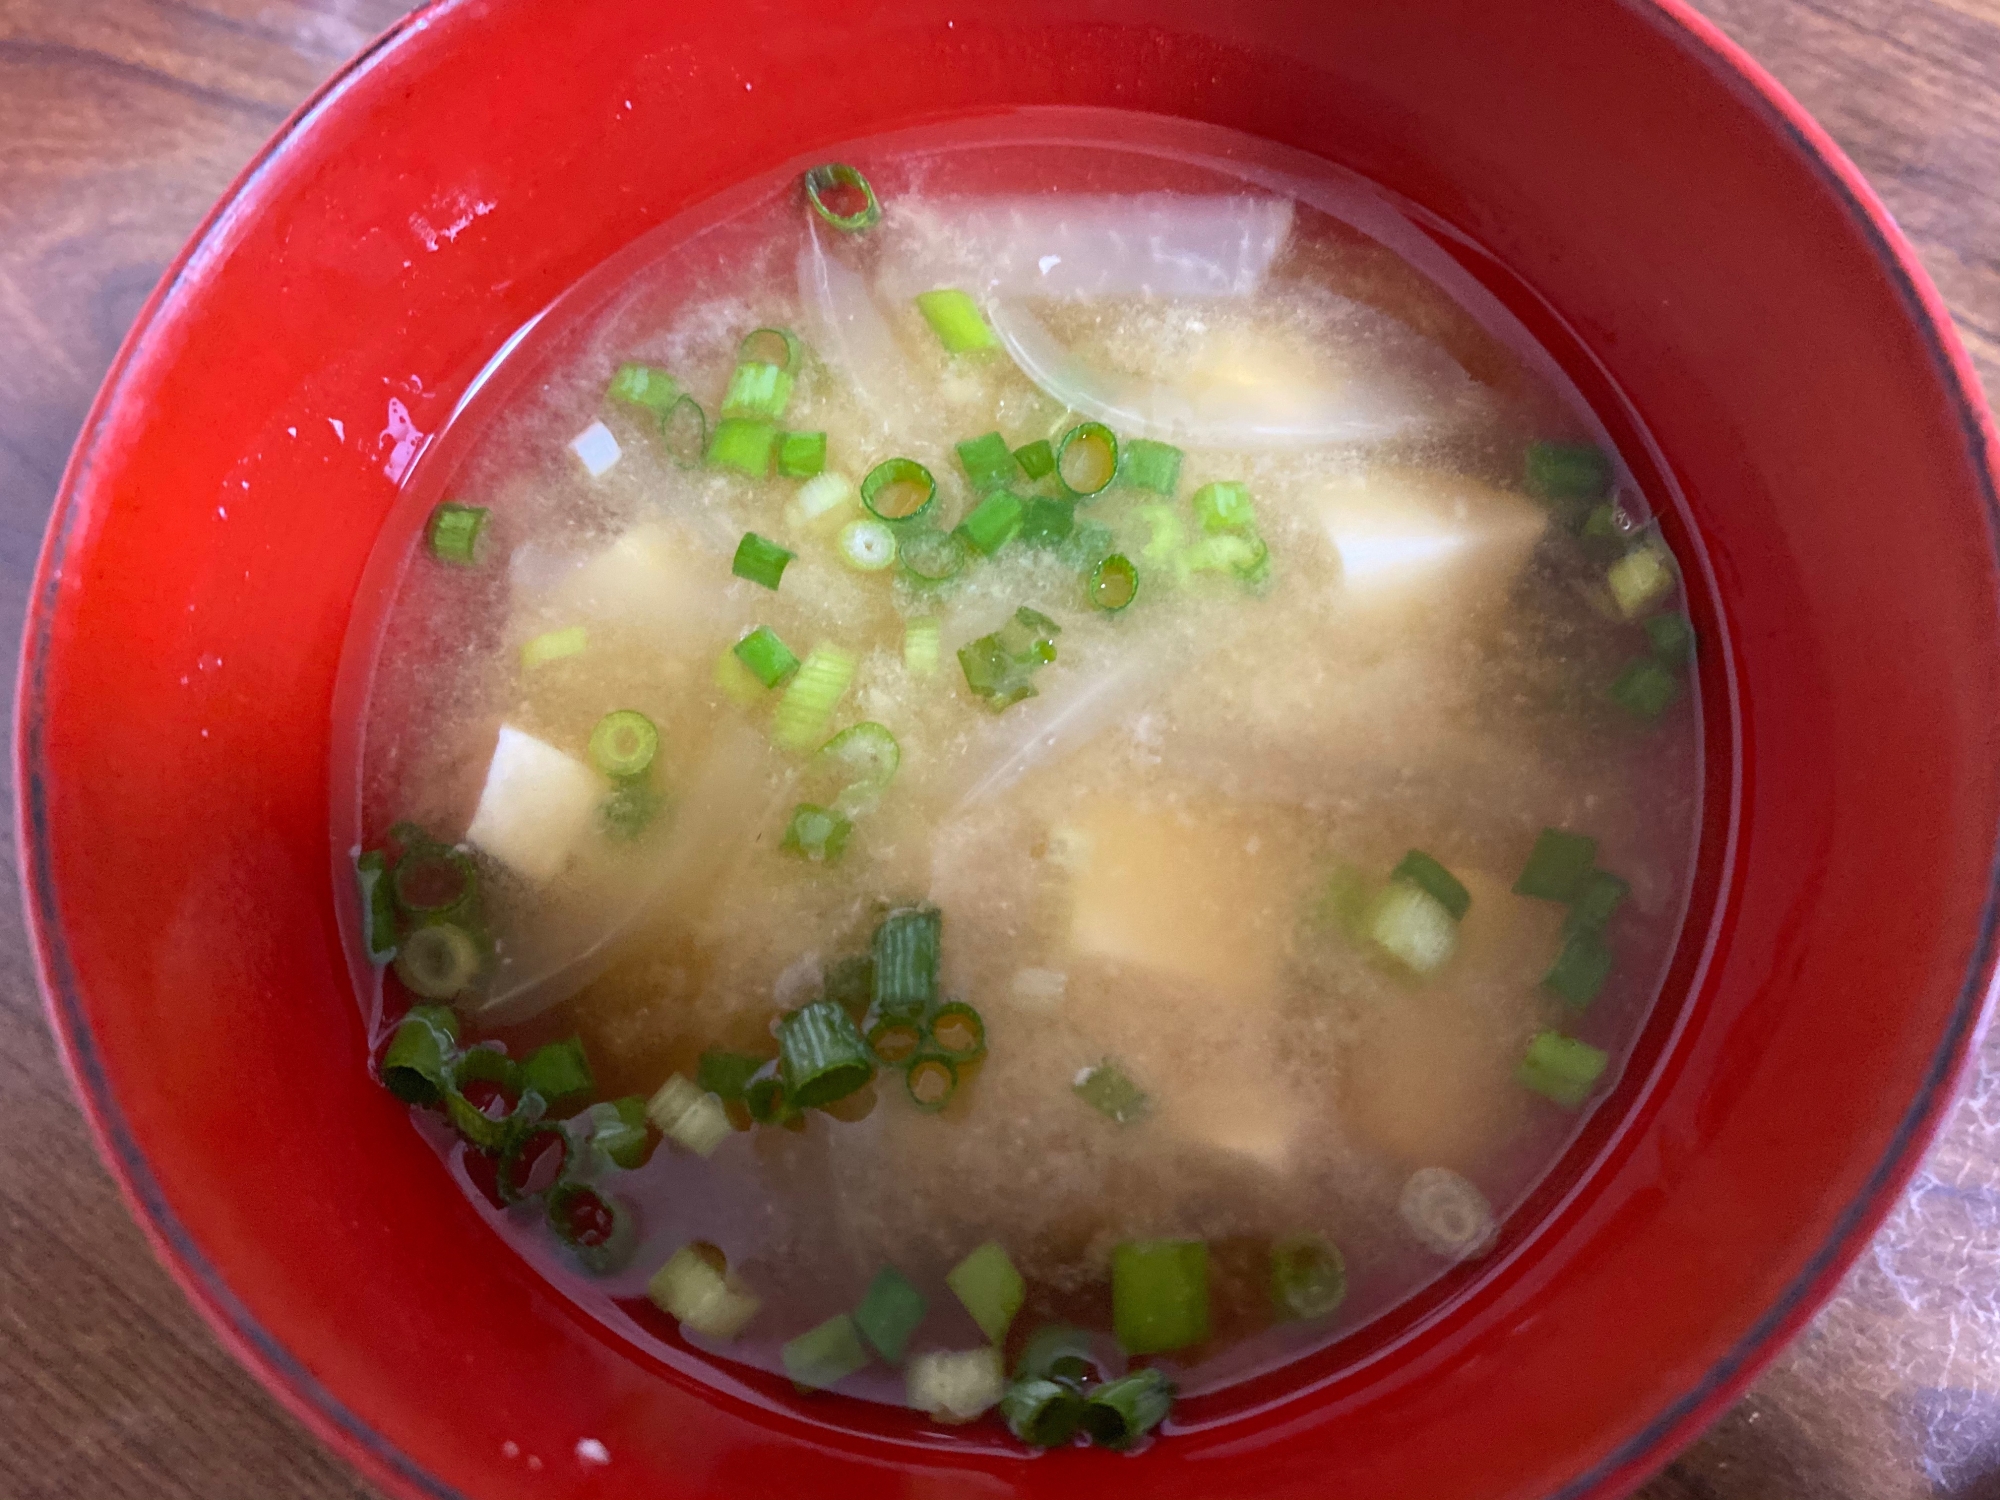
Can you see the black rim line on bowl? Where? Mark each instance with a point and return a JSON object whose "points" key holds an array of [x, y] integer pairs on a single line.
{"points": [[1745, 79]]}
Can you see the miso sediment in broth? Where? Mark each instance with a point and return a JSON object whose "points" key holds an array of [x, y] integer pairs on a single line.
{"points": [[1019, 800]]}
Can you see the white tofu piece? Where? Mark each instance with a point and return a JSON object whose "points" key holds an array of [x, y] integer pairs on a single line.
{"points": [[1419, 546], [535, 806], [597, 449], [653, 576]]}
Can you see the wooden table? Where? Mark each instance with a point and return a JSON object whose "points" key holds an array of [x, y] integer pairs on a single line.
{"points": [[120, 122]]}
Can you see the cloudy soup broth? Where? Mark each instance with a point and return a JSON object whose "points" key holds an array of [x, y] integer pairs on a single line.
{"points": [[1023, 778]]}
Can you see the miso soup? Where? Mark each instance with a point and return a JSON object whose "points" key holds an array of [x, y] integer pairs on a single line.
{"points": [[1024, 774]]}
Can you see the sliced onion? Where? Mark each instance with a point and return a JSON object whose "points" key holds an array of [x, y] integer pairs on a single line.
{"points": [[1411, 384], [848, 329]]}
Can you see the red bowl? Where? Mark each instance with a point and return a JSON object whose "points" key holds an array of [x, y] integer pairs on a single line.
{"points": [[1714, 273]]}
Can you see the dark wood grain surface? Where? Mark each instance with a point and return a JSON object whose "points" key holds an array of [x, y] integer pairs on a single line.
{"points": [[122, 120]]}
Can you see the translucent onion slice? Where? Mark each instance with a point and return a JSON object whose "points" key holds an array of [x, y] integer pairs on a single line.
{"points": [[1410, 384]]}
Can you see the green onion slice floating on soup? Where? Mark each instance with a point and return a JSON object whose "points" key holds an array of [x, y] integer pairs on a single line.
{"points": [[957, 321], [1042, 1413], [890, 1312], [769, 659], [843, 197], [931, 556], [898, 490], [1308, 1276], [863, 758], [559, 1072], [1424, 872], [907, 947], [931, 1082], [726, 1074], [453, 532], [439, 960], [1087, 458], [378, 905], [532, 1162], [1447, 1213], [821, 1055], [1150, 465], [817, 833], [867, 545], [1037, 459], [684, 432], [760, 560], [1057, 1351], [645, 386], [484, 1100], [624, 743], [1121, 1412], [599, 1229], [416, 1068], [1114, 583], [1561, 1068], [990, 1289], [1106, 1089], [957, 1032], [988, 463], [993, 522], [764, 1095], [695, 1286], [825, 1355], [812, 695], [689, 1115], [894, 1040], [433, 881], [1159, 1295]]}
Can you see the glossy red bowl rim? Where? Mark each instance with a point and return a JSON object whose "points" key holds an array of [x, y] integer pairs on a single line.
{"points": [[379, 1459]]}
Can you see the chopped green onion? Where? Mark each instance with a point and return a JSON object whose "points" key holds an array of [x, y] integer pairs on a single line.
{"points": [[725, 1074], [378, 906], [1120, 1412], [931, 1082], [1114, 583], [801, 455], [865, 757], [1057, 1352], [438, 960], [760, 560], [454, 531], [825, 1355], [532, 1162], [778, 347], [757, 391], [416, 1068], [1557, 865], [850, 984], [987, 462], [813, 694], [889, 1313], [1159, 1295], [559, 1072], [1087, 458], [1448, 1214], [1308, 1276], [433, 881], [1672, 637], [956, 1386], [483, 1101], [824, 497], [744, 444], [1149, 465], [894, 1040], [898, 489], [1045, 522], [618, 1131], [817, 833], [842, 196], [554, 646], [1582, 965], [1245, 556], [993, 522], [644, 386], [867, 545], [1041, 1413], [695, 1287], [1602, 524], [1639, 580], [992, 673], [684, 432], [1030, 637], [598, 1228], [958, 1032], [1427, 874], [1568, 471], [1645, 689], [931, 556], [1561, 1068], [956, 320], [764, 1095], [920, 645], [1037, 459], [907, 948], [1413, 926], [688, 1114], [624, 743], [1106, 1089], [1349, 902], [1596, 900], [769, 659], [991, 1289], [1167, 534], [1224, 505], [821, 1055], [629, 810]]}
